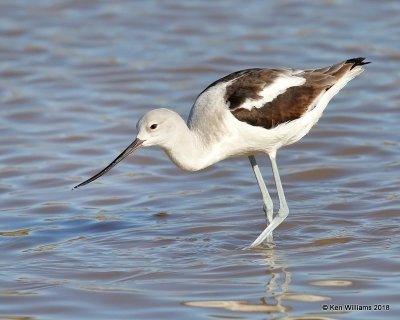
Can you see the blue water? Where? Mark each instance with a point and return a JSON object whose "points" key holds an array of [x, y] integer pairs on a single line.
{"points": [[148, 241]]}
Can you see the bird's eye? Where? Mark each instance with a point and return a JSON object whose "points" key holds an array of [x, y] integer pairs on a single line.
{"points": [[153, 126]]}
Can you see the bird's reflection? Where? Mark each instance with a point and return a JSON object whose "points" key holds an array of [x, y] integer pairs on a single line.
{"points": [[279, 296], [279, 278]]}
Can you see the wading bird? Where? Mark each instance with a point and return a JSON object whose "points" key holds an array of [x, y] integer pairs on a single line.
{"points": [[245, 113]]}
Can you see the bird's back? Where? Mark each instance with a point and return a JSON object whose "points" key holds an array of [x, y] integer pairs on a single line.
{"points": [[269, 97]]}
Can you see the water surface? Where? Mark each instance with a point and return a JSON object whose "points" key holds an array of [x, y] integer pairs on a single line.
{"points": [[148, 241]]}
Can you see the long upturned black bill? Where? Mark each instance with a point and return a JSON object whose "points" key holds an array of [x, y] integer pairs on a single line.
{"points": [[132, 147]]}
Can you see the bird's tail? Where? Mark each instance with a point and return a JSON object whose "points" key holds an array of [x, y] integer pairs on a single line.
{"points": [[356, 62], [351, 67], [343, 73]]}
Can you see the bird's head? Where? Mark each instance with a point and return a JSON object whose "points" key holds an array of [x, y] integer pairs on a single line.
{"points": [[158, 127]]}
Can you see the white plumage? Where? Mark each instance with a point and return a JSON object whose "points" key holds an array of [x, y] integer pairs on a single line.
{"points": [[280, 85], [245, 113]]}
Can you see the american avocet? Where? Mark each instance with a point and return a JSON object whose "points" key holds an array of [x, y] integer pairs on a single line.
{"points": [[242, 114]]}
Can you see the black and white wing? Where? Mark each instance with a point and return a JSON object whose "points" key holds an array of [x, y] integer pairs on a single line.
{"points": [[269, 97]]}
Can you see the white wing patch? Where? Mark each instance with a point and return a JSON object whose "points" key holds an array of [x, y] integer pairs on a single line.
{"points": [[270, 92]]}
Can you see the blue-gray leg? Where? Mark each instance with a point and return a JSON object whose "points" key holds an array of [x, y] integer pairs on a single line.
{"points": [[268, 206], [283, 207]]}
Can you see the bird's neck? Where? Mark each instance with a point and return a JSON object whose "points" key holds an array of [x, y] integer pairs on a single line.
{"points": [[190, 150]]}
